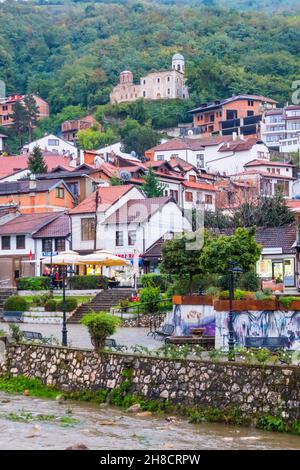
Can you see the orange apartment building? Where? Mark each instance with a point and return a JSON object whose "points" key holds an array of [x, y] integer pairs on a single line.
{"points": [[240, 114], [37, 195], [6, 108]]}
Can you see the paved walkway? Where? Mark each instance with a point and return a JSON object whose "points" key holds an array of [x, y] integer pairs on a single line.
{"points": [[78, 335]]}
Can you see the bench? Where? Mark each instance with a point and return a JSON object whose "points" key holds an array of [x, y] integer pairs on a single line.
{"points": [[269, 342], [13, 316], [166, 330], [35, 336], [111, 343]]}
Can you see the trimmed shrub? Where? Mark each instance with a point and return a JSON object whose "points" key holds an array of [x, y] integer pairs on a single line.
{"points": [[150, 299], [100, 325], [250, 281], [50, 305], [71, 303], [15, 303], [88, 282], [34, 283], [155, 280]]}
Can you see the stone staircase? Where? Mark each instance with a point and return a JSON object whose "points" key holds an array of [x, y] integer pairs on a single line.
{"points": [[6, 292], [101, 302]]}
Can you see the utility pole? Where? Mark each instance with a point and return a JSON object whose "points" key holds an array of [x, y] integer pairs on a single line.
{"points": [[96, 218]]}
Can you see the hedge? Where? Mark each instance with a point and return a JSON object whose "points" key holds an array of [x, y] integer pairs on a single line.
{"points": [[16, 303], [34, 283], [155, 280], [88, 282], [70, 302]]}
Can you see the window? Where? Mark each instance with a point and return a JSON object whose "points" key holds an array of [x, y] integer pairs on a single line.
{"points": [[87, 229], [119, 238], [144, 94], [131, 237], [189, 196], [60, 244], [53, 142], [5, 108], [169, 79], [282, 187], [144, 82], [250, 102], [200, 160], [60, 193], [192, 178], [6, 243], [158, 80], [20, 242], [160, 157], [74, 188], [208, 199], [169, 91], [47, 245], [174, 194], [250, 113]]}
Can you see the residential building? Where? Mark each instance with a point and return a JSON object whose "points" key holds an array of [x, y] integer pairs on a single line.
{"points": [[27, 238], [54, 144], [280, 129], [6, 108], [220, 154], [13, 168], [2, 141], [239, 114], [267, 183], [70, 128], [37, 195], [163, 84]]}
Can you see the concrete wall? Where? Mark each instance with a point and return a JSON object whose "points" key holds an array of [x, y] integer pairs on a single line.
{"points": [[253, 389]]}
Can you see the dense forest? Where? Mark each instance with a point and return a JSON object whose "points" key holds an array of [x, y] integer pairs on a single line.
{"points": [[71, 52]]}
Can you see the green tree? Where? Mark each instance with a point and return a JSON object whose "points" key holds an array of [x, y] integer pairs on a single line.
{"points": [[241, 247], [115, 181], [91, 139], [32, 112], [152, 187], [20, 118], [178, 260], [138, 138], [36, 162]]}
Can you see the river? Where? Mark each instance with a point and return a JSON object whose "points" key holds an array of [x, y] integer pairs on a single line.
{"points": [[60, 425]]}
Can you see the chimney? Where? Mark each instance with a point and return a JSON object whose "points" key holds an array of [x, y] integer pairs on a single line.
{"points": [[32, 182]]}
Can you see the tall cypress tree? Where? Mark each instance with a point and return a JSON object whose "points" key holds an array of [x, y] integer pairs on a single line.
{"points": [[152, 187], [32, 112], [36, 162]]}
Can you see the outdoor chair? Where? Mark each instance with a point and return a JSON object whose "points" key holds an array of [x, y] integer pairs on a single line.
{"points": [[111, 343], [166, 330], [35, 336]]}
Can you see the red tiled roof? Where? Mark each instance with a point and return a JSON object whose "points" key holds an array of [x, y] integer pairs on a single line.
{"points": [[199, 186], [263, 173], [238, 145], [270, 112], [172, 175], [179, 144], [59, 228], [23, 186], [137, 210], [107, 197], [28, 223], [14, 164], [293, 204], [267, 163]]}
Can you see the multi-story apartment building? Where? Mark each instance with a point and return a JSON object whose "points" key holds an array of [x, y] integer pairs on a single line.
{"points": [[239, 114], [6, 108], [280, 129]]}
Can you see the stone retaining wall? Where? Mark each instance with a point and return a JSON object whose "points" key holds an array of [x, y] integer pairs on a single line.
{"points": [[254, 389], [145, 321]]}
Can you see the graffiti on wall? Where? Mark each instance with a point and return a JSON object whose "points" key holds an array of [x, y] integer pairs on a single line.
{"points": [[260, 324], [185, 317]]}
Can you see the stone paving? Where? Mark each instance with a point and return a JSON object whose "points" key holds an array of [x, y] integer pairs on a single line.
{"points": [[78, 335]]}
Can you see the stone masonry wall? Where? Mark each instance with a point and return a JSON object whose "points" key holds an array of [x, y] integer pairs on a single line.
{"points": [[254, 389]]}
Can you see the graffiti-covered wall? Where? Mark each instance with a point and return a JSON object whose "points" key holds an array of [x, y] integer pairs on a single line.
{"points": [[266, 324], [185, 317]]}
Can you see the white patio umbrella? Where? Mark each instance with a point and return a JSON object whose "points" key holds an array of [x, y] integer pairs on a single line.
{"points": [[64, 258], [104, 258]]}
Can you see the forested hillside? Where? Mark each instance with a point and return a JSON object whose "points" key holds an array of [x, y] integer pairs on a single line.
{"points": [[71, 53]]}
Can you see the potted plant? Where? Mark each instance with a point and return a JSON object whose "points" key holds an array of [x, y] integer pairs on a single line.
{"points": [[100, 326]]}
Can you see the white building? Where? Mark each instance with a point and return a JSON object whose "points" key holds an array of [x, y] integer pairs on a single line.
{"points": [[280, 129], [222, 154], [52, 143], [2, 139]]}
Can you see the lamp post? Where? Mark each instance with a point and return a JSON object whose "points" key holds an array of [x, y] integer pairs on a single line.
{"points": [[64, 328], [232, 268]]}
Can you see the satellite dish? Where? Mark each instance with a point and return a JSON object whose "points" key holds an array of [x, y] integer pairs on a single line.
{"points": [[125, 175], [133, 153], [190, 132]]}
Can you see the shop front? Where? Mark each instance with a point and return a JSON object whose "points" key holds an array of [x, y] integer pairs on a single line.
{"points": [[277, 267]]}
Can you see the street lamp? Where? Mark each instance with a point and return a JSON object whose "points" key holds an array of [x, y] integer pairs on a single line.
{"points": [[232, 269], [64, 328]]}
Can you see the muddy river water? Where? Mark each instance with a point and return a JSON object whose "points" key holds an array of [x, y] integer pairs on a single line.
{"points": [[34, 423]]}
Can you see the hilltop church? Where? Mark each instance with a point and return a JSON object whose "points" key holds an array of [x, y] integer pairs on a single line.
{"points": [[161, 85]]}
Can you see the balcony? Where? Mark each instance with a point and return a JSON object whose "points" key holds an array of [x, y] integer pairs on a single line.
{"points": [[230, 123]]}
